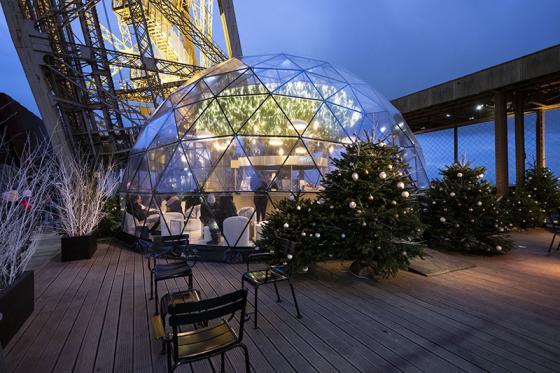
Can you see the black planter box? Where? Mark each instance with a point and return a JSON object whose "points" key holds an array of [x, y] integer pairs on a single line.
{"points": [[77, 248], [16, 304]]}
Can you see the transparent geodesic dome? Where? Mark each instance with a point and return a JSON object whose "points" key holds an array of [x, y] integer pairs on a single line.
{"points": [[238, 137]]}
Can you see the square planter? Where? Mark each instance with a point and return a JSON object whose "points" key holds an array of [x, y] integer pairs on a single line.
{"points": [[16, 304], [77, 248]]}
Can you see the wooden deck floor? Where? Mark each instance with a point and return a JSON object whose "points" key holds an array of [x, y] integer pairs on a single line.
{"points": [[503, 315]]}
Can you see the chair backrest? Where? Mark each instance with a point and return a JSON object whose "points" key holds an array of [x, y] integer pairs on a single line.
{"points": [[206, 310], [177, 243], [236, 231], [171, 223], [130, 223], [248, 212]]}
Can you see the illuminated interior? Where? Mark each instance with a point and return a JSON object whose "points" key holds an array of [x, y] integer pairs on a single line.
{"points": [[222, 150]]}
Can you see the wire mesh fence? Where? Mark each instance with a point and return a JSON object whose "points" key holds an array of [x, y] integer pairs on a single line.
{"points": [[476, 145]]}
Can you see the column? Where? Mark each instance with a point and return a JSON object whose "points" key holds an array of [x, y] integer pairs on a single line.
{"points": [[455, 144], [501, 145], [519, 141], [541, 155]]}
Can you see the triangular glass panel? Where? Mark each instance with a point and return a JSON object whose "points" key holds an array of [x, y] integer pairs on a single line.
{"points": [[304, 63], [320, 151], [185, 116], [326, 87], [253, 60], [258, 161], [211, 123], [131, 168], [176, 97], [221, 178], [217, 83], [167, 134], [238, 109], [327, 71], [300, 169], [278, 62], [268, 120], [140, 182], [348, 76], [368, 104], [350, 118], [299, 111], [274, 78], [177, 177], [199, 92], [148, 133], [345, 97], [158, 159], [324, 125], [299, 86], [246, 84]]}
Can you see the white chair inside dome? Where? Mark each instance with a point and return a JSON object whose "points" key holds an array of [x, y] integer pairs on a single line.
{"points": [[194, 225], [236, 231], [131, 223], [249, 213], [171, 223]]}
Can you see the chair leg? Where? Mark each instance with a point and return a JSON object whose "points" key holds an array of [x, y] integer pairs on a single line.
{"points": [[277, 293], [246, 353], [552, 242], [295, 301], [156, 298], [222, 364], [190, 281], [170, 367], [256, 305], [151, 284]]}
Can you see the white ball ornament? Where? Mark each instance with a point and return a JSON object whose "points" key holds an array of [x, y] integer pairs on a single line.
{"points": [[459, 174], [382, 175], [286, 225], [291, 197], [352, 205], [400, 185], [390, 167], [405, 194], [305, 269], [498, 248], [298, 207], [452, 194], [289, 257], [394, 203], [442, 219], [364, 224], [342, 235], [370, 197], [355, 176], [479, 203], [317, 235]]}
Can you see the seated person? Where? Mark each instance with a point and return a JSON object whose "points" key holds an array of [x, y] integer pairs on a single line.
{"points": [[210, 211], [135, 208], [174, 204], [228, 209]]}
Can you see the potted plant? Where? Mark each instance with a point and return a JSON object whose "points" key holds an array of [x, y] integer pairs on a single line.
{"points": [[83, 188], [25, 185]]}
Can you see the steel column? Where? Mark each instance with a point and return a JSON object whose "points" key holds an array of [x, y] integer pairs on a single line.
{"points": [[501, 143], [519, 141], [540, 145]]}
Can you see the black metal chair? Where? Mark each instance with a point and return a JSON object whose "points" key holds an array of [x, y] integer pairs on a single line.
{"points": [[272, 274], [180, 262], [214, 338], [555, 226]]}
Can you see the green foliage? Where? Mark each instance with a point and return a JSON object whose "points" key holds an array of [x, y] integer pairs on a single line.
{"points": [[367, 212], [545, 188], [463, 214], [111, 222], [522, 210]]}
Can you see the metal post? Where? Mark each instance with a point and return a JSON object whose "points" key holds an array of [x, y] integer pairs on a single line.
{"points": [[455, 144], [229, 24], [519, 142], [501, 143], [541, 154]]}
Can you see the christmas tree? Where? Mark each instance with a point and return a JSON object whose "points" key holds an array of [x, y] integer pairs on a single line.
{"points": [[544, 186], [462, 212], [522, 210], [367, 213]]}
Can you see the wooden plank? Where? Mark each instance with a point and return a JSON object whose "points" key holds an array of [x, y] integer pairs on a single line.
{"points": [[141, 336]]}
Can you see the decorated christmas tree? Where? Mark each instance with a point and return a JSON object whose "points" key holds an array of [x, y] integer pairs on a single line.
{"points": [[522, 210], [545, 188], [367, 213], [463, 214]]}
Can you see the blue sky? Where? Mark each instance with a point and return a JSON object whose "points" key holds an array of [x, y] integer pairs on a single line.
{"points": [[398, 46]]}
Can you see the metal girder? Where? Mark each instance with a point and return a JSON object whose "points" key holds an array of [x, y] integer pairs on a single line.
{"points": [[182, 20]]}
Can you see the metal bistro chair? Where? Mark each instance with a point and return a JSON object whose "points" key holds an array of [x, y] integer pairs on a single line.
{"points": [[272, 274], [175, 249], [204, 342], [555, 225]]}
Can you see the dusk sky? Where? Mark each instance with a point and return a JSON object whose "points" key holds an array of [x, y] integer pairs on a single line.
{"points": [[398, 46]]}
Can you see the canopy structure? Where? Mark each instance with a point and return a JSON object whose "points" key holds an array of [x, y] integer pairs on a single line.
{"points": [[247, 132]]}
